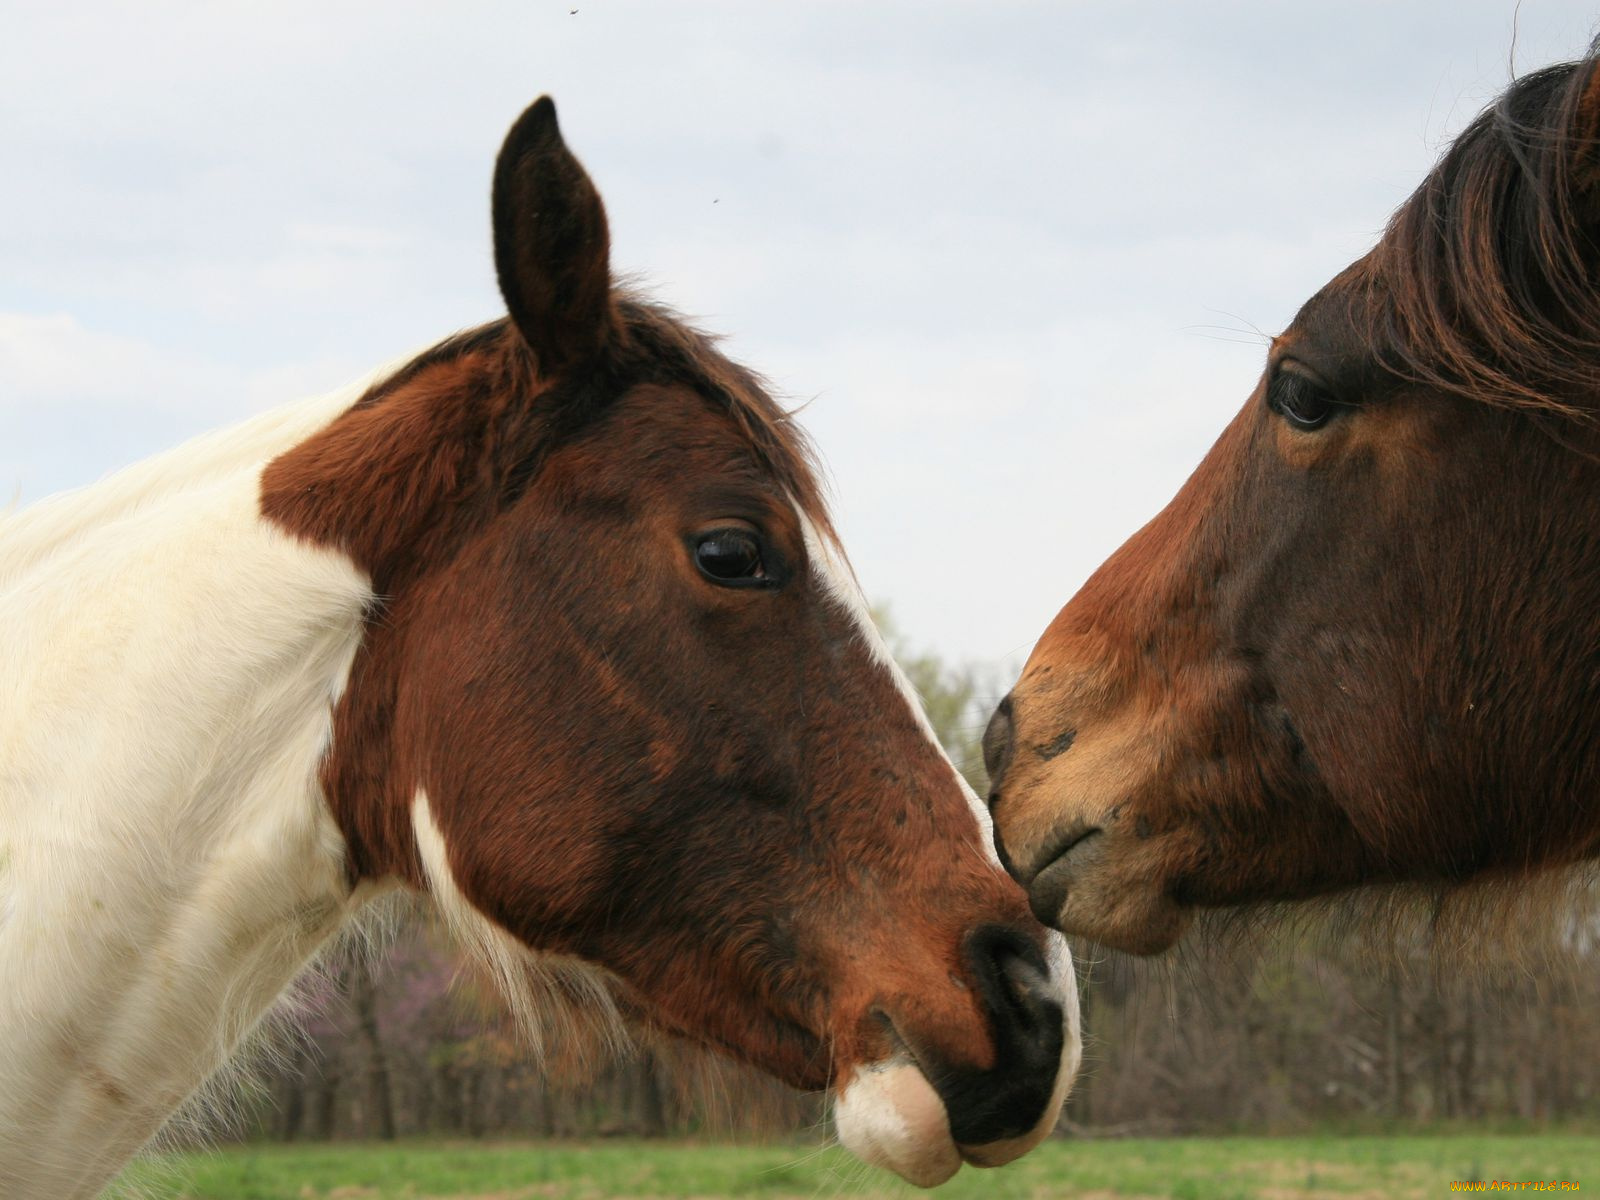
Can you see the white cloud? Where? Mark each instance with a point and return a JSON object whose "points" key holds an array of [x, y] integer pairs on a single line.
{"points": [[76, 403], [983, 236], [52, 360]]}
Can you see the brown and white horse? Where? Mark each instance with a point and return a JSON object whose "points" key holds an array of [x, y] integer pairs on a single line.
{"points": [[1362, 644], [549, 623]]}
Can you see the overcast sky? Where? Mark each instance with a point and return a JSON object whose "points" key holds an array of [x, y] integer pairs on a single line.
{"points": [[1012, 254]]}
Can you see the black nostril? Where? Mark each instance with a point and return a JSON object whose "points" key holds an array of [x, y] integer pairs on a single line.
{"points": [[997, 742], [1027, 981], [1024, 1007], [1014, 980]]}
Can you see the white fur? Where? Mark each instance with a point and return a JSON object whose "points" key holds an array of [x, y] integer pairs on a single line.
{"points": [[168, 663], [889, 1115], [883, 1113]]}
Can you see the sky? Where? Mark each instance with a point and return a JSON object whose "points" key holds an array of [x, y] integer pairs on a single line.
{"points": [[1017, 260]]}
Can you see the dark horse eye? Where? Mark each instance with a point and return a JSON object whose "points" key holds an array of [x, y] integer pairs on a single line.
{"points": [[730, 556], [1302, 402]]}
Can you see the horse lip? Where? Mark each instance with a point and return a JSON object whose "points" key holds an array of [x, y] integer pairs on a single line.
{"points": [[902, 1053], [1048, 890], [898, 1046], [900, 1050], [1060, 845]]}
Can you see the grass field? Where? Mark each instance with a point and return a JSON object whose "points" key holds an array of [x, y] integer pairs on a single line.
{"points": [[1302, 1168]]}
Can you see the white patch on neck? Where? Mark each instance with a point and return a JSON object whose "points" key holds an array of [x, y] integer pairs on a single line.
{"points": [[167, 861], [137, 497]]}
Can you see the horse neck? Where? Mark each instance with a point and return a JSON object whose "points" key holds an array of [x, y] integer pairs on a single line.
{"points": [[167, 861]]}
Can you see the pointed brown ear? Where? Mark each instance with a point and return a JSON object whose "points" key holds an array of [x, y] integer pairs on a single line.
{"points": [[552, 250]]}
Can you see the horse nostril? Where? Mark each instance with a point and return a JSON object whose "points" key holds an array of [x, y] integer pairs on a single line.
{"points": [[1016, 982], [997, 743], [1028, 982], [1026, 1019]]}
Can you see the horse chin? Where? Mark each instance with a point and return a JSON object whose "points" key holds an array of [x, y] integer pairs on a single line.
{"points": [[1091, 892], [889, 1115]]}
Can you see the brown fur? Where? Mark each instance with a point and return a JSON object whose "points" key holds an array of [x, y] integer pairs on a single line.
{"points": [[1368, 652], [715, 793]]}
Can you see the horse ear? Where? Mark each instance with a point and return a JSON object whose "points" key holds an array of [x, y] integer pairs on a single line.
{"points": [[552, 250]]}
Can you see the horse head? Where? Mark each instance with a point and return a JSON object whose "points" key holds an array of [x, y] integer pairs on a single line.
{"points": [[619, 704], [1360, 645]]}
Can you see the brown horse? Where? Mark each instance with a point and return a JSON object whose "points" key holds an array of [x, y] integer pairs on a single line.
{"points": [[550, 625], [1362, 644]]}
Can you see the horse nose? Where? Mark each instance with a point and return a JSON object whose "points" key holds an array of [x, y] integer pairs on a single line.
{"points": [[997, 743], [999, 737], [1025, 1006]]}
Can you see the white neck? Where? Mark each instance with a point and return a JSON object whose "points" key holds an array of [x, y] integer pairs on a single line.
{"points": [[167, 863]]}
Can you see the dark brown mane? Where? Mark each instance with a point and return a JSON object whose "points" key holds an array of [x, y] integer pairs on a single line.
{"points": [[1486, 274], [657, 346]]}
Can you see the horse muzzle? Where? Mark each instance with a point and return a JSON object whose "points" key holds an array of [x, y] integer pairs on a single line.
{"points": [[1065, 796], [921, 1113]]}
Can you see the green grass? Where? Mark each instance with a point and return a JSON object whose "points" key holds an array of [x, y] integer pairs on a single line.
{"points": [[1291, 1168]]}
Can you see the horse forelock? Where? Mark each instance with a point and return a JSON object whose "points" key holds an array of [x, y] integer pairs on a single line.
{"points": [[666, 342], [657, 345], [1482, 284]]}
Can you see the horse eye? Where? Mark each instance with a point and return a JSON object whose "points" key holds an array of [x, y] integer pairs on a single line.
{"points": [[730, 556], [1301, 402]]}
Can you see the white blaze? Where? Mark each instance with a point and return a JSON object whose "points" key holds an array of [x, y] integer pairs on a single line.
{"points": [[888, 1113]]}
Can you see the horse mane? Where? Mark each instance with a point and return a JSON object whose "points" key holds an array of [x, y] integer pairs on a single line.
{"points": [[1483, 282]]}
